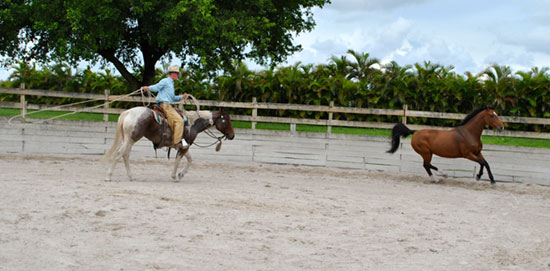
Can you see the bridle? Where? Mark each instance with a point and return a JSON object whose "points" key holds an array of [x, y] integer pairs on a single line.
{"points": [[218, 139]]}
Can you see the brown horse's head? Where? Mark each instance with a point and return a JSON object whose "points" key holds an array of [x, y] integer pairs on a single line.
{"points": [[222, 121], [491, 118]]}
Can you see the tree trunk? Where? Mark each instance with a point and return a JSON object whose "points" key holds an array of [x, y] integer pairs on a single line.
{"points": [[150, 59], [148, 73], [132, 80]]}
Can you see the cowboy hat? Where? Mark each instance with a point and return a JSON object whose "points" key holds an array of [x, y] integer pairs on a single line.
{"points": [[173, 69]]}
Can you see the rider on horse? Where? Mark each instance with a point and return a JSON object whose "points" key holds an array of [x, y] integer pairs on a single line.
{"points": [[165, 98]]}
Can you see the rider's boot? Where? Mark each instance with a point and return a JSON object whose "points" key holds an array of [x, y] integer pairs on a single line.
{"points": [[182, 144]]}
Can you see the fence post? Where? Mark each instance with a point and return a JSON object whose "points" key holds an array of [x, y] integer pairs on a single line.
{"points": [[293, 128], [330, 116], [254, 112], [106, 106], [23, 103], [404, 119]]}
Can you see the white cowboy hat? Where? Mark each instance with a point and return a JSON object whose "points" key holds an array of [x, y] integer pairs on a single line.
{"points": [[173, 69]]}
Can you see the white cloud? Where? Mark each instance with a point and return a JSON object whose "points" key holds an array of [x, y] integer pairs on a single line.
{"points": [[400, 39], [354, 5], [443, 32], [535, 39], [512, 58], [466, 34]]}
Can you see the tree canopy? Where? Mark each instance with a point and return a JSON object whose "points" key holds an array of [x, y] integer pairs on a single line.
{"points": [[134, 35]]}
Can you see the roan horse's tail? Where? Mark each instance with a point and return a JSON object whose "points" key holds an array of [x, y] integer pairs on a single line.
{"points": [[116, 143], [399, 130]]}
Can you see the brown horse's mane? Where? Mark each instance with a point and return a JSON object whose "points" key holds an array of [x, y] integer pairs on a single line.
{"points": [[474, 113]]}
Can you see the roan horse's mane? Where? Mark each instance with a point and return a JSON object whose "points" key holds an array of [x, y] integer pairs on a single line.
{"points": [[204, 114], [474, 113]]}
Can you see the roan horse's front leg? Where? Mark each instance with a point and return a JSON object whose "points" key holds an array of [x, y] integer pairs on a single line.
{"points": [[176, 164]]}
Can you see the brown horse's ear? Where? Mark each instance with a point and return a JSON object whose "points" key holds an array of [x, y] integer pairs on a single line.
{"points": [[489, 106], [221, 110]]}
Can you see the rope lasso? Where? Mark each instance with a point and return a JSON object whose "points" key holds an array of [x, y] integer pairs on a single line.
{"points": [[196, 102], [148, 98], [71, 113], [207, 131]]}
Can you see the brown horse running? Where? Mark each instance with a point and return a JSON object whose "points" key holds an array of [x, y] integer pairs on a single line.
{"points": [[462, 141], [138, 122]]}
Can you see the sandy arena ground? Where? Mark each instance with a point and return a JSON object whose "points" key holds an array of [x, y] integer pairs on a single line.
{"points": [[57, 213]]}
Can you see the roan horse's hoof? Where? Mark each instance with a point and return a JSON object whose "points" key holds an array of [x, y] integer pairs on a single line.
{"points": [[180, 176]]}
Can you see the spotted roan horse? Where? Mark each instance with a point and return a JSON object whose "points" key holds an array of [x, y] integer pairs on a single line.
{"points": [[462, 141], [138, 122]]}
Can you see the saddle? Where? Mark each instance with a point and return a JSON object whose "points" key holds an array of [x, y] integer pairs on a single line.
{"points": [[162, 120]]}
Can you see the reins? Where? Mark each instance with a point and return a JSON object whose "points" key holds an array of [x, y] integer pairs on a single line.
{"points": [[212, 135], [207, 131]]}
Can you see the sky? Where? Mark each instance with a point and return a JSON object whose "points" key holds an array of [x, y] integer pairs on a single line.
{"points": [[468, 35]]}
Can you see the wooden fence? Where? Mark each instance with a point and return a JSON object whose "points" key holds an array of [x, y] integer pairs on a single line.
{"points": [[255, 106], [92, 138]]}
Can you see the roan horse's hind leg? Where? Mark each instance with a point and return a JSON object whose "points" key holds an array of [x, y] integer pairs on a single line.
{"points": [[111, 168], [125, 152], [117, 155], [176, 164]]}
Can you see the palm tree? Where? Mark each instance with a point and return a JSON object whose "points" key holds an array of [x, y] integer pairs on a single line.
{"points": [[531, 93], [232, 84], [499, 85], [363, 67], [22, 74], [338, 66], [291, 82], [397, 85]]}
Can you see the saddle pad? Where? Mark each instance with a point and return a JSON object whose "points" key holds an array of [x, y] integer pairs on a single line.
{"points": [[158, 117]]}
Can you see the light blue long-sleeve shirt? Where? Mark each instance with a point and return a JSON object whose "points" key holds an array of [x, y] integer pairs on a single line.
{"points": [[165, 88]]}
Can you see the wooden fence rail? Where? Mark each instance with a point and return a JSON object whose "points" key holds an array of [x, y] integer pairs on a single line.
{"points": [[255, 106]]}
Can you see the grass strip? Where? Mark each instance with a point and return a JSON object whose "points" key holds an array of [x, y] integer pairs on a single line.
{"points": [[494, 140]]}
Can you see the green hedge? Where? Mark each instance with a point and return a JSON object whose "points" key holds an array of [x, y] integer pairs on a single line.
{"points": [[426, 87]]}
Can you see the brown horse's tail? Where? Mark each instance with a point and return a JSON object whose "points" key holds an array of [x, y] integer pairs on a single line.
{"points": [[399, 130]]}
